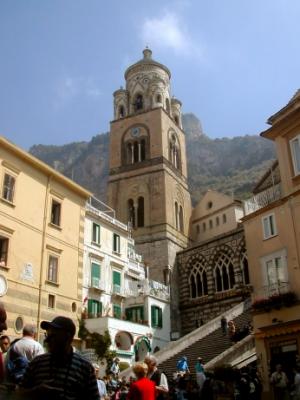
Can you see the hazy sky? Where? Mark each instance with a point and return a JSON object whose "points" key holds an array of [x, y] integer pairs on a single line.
{"points": [[233, 62]]}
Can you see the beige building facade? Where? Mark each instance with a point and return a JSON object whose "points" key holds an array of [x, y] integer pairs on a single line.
{"points": [[41, 240], [272, 231]]}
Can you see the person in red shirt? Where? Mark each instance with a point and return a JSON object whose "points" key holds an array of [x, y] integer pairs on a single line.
{"points": [[142, 388]]}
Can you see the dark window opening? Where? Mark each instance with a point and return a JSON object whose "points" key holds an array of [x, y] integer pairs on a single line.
{"points": [[55, 213], [138, 102], [231, 276], [218, 280], [140, 212], [121, 112], [193, 287], [3, 251], [131, 212], [225, 279]]}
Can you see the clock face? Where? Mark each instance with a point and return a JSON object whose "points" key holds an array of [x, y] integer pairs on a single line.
{"points": [[135, 132], [3, 285]]}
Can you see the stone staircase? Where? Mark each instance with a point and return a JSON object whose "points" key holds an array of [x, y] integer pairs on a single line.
{"points": [[209, 346]]}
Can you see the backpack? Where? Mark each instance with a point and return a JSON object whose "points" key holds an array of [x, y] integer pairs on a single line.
{"points": [[15, 366]]}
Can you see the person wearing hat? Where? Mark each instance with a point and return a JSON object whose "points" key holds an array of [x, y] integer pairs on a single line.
{"points": [[200, 375], [60, 373]]}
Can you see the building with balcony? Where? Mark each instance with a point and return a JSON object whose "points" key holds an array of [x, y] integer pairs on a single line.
{"points": [[272, 232], [118, 296], [41, 240]]}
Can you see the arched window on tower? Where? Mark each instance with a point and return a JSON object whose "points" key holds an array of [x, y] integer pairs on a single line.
{"points": [[131, 212], [181, 227], [139, 103], [143, 150], [176, 119], [135, 152], [176, 214], [158, 98], [168, 105], [121, 112], [174, 152], [140, 212]]}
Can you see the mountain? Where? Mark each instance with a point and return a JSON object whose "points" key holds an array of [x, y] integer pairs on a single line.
{"points": [[232, 166]]}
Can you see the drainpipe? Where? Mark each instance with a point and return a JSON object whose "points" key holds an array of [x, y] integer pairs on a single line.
{"points": [[43, 256], [294, 230]]}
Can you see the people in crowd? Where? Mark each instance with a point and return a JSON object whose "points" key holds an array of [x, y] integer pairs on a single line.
{"points": [[20, 353], [4, 344], [224, 325], [231, 330], [279, 382], [115, 368], [101, 384], [296, 384], [60, 373], [143, 388], [200, 375], [182, 365], [158, 377]]}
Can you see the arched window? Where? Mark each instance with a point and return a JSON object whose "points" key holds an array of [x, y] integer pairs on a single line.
{"points": [[224, 273], [138, 105], [143, 150], [158, 98], [168, 105], [135, 152], [245, 268], [176, 214], [129, 153], [140, 212], [181, 227], [193, 287], [198, 279], [176, 120], [121, 112], [131, 212]]}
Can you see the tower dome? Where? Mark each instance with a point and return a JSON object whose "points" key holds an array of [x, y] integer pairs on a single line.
{"points": [[147, 87]]}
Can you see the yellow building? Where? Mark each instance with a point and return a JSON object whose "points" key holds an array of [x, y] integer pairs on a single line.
{"points": [[41, 240], [272, 231]]}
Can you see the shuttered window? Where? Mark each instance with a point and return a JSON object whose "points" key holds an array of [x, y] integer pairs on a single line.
{"points": [[156, 317]]}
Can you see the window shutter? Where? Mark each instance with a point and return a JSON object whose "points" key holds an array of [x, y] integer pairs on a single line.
{"points": [[96, 270], [142, 313], [160, 324], [90, 306], [117, 311], [153, 317], [116, 278]]}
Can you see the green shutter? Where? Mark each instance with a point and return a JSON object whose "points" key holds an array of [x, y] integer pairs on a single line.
{"points": [[160, 324], [153, 316], [96, 270], [90, 306], [117, 311], [116, 278]]}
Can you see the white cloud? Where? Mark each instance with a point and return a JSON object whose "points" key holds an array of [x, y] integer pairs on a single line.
{"points": [[68, 88], [169, 31]]}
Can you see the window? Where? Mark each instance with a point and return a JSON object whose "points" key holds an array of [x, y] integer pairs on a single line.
{"points": [[198, 229], [116, 277], [181, 228], [121, 112], [224, 273], [135, 314], [55, 213], [96, 233], [210, 224], [116, 243], [95, 274], [204, 226], [3, 251], [52, 269], [9, 183], [138, 105], [51, 301], [158, 98], [131, 212], [275, 272], [224, 219], [140, 212], [269, 227], [295, 150], [94, 308], [217, 221], [156, 317], [117, 311], [198, 279]]}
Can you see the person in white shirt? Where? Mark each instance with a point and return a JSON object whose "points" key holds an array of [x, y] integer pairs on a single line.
{"points": [[27, 346]]}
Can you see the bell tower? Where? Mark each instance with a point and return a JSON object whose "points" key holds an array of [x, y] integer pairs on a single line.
{"points": [[148, 171]]}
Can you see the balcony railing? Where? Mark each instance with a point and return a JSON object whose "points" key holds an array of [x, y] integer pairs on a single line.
{"points": [[118, 290], [96, 283], [272, 289], [262, 199], [96, 207], [148, 287]]}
